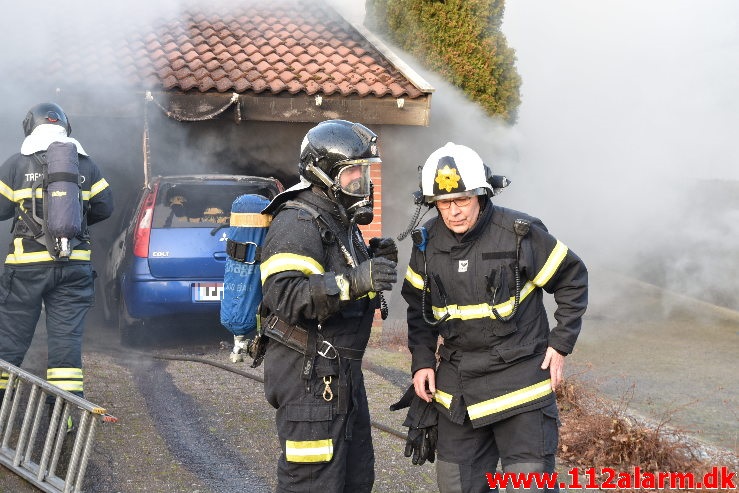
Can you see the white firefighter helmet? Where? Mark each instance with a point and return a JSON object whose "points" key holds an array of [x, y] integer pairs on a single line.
{"points": [[454, 171]]}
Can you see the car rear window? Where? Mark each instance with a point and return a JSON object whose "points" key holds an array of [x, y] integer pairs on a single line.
{"points": [[199, 205]]}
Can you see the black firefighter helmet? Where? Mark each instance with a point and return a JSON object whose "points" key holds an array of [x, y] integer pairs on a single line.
{"points": [[333, 145], [45, 113], [336, 155]]}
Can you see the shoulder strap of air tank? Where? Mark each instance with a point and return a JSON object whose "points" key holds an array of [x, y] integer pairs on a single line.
{"points": [[322, 223], [33, 222], [294, 204]]}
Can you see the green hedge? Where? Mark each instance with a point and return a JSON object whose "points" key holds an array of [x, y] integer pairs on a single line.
{"points": [[459, 39]]}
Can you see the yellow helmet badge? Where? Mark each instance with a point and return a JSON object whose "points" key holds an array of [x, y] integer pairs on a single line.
{"points": [[447, 178]]}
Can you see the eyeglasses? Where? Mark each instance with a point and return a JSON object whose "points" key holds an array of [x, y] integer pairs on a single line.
{"points": [[444, 204]]}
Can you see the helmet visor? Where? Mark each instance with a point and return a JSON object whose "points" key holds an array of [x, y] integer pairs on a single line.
{"points": [[354, 180]]}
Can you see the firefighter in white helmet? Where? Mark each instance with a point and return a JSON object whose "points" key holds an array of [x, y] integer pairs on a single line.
{"points": [[476, 277]]}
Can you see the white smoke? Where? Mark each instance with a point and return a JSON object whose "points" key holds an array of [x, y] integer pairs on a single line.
{"points": [[624, 144], [627, 132], [628, 109]]}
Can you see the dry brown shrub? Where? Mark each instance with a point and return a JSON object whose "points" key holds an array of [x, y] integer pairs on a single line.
{"points": [[599, 433]]}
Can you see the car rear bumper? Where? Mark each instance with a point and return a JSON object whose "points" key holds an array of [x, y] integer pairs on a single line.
{"points": [[147, 298]]}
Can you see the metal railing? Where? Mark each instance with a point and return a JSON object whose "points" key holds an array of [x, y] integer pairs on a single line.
{"points": [[44, 466]]}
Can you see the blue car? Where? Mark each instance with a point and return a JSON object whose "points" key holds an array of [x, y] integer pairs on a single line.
{"points": [[168, 262]]}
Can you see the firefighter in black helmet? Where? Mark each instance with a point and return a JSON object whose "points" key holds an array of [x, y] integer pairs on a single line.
{"points": [[476, 277], [33, 276], [321, 286]]}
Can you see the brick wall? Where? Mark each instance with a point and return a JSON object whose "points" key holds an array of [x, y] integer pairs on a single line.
{"points": [[375, 227]]}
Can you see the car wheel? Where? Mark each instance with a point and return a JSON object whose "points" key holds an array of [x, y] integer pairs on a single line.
{"points": [[110, 311], [129, 330]]}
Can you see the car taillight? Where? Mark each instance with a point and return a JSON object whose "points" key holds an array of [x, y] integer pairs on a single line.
{"points": [[143, 225]]}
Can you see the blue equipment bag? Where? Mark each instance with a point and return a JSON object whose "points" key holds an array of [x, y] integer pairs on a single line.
{"points": [[242, 284]]}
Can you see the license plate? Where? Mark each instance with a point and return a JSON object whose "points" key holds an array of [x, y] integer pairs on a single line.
{"points": [[207, 291]]}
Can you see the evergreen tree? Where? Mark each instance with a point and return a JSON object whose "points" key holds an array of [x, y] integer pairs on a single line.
{"points": [[459, 39]]}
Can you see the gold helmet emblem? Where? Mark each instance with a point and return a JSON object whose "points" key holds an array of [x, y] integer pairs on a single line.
{"points": [[447, 178]]}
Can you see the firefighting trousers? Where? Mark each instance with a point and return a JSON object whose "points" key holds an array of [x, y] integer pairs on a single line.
{"points": [[323, 449], [66, 292], [525, 442]]}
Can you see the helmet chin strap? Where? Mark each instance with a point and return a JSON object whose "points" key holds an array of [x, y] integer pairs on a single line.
{"points": [[321, 175]]}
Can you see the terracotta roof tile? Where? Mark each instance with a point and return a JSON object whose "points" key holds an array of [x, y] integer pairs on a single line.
{"points": [[197, 66], [277, 86], [218, 74], [329, 87], [206, 84], [345, 87], [228, 65], [311, 87], [362, 88], [279, 46], [187, 82], [264, 67], [251, 76], [234, 49], [188, 56], [259, 85], [294, 87], [241, 85], [379, 88], [169, 82], [311, 68]]}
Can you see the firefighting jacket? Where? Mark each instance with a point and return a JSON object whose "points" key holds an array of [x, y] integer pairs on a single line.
{"points": [[489, 368], [302, 255], [18, 175]]}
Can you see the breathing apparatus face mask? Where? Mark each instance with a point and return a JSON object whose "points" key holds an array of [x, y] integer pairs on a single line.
{"points": [[355, 190]]}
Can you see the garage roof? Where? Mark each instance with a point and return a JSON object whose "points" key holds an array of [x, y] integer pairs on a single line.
{"points": [[280, 50], [285, 60]]}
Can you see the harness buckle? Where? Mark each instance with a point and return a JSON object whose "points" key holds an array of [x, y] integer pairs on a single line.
{"points": [[272, 322], [327, 350]]}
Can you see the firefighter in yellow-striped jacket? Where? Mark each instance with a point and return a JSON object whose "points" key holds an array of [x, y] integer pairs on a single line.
{"points": [[477, 277], [321, 286], [32, 275]]}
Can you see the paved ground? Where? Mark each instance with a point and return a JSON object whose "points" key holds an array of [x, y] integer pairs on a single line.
{"points": [[185, 426]]}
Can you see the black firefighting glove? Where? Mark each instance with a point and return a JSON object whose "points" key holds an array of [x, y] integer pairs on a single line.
{"points": [[377, 274], [421, 445], [384, 247], [422, 422]]}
